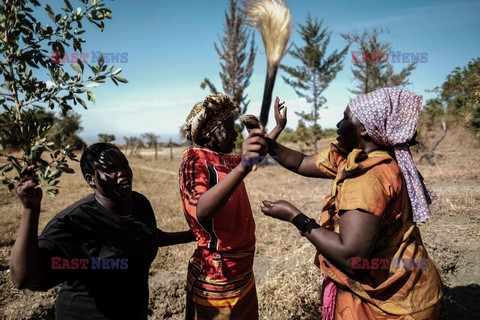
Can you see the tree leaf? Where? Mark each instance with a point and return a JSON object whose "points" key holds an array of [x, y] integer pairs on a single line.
{"points": [[91, 96], [76, 67], [69, 6], [50, 12], [120, 79]]}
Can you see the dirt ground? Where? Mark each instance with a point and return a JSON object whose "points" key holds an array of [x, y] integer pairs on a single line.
{"points": [[288, 283]]}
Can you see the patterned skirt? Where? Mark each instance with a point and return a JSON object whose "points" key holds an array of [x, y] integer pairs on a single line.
{"points": [[221, 286]]}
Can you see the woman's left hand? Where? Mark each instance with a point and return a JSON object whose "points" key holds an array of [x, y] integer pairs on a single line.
{"points": [[280, 111], [280, 209]]}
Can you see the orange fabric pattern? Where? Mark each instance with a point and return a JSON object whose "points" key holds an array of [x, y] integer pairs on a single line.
{"points": [[407, 285]]}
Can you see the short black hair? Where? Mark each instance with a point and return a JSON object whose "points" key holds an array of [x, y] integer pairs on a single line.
{"points": [[92, 154]]}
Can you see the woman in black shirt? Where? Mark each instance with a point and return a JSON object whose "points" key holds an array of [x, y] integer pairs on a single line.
{"points": [[100, 248]]}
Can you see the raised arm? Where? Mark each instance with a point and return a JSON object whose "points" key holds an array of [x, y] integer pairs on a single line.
{"points": [[358, 231], [25, 268], [294, 161], [214, 199]]}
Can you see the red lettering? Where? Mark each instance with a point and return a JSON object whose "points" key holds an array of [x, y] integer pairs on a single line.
{"points": [[356, 262], [55, 262], [84, 263], [84, 57], [65, 264], [356, 57], [374, 264], [65, 59], [75, 56], [384, 263], [55, 55], [74, 263], [384, 57], [365, 264]]}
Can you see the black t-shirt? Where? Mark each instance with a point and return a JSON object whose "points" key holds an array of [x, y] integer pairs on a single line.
{"points": [[101, 258]]}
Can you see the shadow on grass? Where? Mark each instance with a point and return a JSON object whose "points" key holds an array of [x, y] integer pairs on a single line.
{"points": [[461, 303]]}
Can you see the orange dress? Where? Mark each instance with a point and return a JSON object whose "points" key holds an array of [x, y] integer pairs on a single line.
{"points": [[398, 281]]}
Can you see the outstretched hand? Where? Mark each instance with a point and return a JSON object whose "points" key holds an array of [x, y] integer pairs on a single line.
{"points": [[28, 192], [280, 209]]}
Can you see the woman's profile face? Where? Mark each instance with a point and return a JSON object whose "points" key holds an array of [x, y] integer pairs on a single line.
{"points": [[113, 175], [349, 129], [225, 136]]}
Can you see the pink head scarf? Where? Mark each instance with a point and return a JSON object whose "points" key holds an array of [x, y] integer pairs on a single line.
{"points": [[390, 116]]}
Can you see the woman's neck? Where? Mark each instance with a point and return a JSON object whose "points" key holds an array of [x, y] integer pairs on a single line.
{"points": [[121, 207]]}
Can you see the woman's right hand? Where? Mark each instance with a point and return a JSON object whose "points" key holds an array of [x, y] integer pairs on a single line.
{"points": [[253, 147], [29, 194]]}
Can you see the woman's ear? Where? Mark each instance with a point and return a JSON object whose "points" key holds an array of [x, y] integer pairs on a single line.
{"points": [[365, 135], [90, 181]]}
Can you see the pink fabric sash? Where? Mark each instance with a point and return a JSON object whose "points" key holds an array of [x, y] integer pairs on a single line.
{"points": [[329, 296]]}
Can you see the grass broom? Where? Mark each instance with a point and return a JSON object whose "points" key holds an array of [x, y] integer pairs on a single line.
{"points": [[273, 21]]}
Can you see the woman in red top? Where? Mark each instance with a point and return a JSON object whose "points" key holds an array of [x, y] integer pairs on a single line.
{"points": [[220, 282]]}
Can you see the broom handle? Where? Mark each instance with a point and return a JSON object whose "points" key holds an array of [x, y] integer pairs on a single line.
{"points": [[267, 93]]}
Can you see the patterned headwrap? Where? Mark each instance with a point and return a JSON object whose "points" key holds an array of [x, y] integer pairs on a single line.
{"points": [[390, 116], [207, 115]]}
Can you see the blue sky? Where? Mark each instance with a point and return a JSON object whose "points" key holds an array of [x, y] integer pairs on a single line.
{"points": [[170, 51]]}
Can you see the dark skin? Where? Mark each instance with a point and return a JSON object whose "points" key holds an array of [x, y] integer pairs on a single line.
{"points": [[359, 229], [214, 199], [112, 186]]}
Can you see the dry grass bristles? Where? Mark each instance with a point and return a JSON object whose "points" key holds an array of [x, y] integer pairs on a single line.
{"points": [[272, 19]]}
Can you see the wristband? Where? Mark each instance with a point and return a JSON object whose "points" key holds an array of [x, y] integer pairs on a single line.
{"points": [[303, 223]]}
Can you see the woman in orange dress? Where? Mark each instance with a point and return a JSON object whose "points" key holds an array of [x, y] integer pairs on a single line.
{"points": [[368, 244]]}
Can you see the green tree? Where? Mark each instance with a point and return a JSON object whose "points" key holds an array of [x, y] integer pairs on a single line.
{"points": [[459, 95], [105, 137], [371, 68], [134, 143], [461, 90], [152, 141], [315, 72], [33, 75], [236, 61], [64, 131]]}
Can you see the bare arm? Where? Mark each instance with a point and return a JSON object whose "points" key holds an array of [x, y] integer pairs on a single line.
{"points": [[214, 199], [172, 238], [357, 237], [359, 231], [294, 161], [25, 268]]}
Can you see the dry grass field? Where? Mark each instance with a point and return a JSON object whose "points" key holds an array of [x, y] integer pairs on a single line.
{"points": [[288, 283]]}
